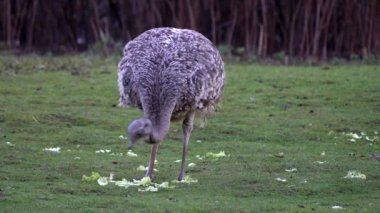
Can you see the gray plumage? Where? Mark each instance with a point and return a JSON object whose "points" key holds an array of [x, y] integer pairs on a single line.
{"points": [[170, 74]]}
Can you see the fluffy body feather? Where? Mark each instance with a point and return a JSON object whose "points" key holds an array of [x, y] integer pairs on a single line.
{"points": [[166, 65], [170, 74]]}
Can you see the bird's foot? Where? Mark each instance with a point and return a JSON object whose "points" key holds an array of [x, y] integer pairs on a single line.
{"points": [[180, 177], [151, 176]]}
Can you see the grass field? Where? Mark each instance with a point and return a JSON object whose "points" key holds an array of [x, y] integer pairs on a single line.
{"points": [[273, 118]]}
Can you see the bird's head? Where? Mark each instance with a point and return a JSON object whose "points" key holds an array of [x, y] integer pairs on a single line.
{"points": [[139, 129]]}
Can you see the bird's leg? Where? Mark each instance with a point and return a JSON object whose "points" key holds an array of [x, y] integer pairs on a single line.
{"points": [[153, 155], [187, 127]]}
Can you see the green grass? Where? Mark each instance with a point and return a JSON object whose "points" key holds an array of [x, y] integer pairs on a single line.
{"points": [[70, 102]]}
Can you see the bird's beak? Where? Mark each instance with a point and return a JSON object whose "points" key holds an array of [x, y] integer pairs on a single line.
{"points": [[131, 143]]}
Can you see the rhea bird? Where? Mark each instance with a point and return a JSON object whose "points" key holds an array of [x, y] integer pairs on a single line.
{"points": [[171, 75]]}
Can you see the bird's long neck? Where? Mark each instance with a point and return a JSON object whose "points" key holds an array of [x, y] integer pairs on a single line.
{"points": [[160, 123]]}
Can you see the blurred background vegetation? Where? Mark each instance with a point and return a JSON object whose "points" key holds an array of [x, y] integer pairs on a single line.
{"points": [[287, 30]]}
